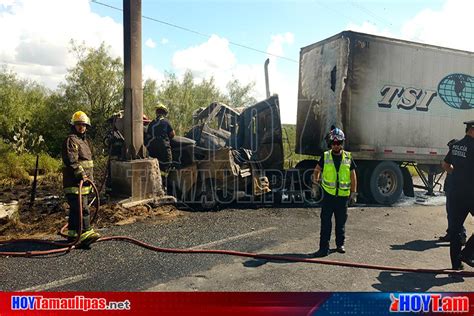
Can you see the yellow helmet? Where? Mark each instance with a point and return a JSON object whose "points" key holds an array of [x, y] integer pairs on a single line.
{"points": [[80, 117], [161, 106]]}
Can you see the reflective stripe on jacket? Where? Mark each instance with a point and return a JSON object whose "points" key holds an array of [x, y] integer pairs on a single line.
{"points": [[75, 190], [333, 182]]}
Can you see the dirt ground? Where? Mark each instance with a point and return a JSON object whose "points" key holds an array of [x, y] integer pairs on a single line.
{"points": [[49, 212]]}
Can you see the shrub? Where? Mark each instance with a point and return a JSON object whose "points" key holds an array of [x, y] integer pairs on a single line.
{"points": [[19, 168]]}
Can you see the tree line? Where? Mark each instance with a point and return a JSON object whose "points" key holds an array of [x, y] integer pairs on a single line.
{"points": [[36, 119]]}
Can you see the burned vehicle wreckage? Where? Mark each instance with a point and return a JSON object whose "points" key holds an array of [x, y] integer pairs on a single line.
{"points": [[225, 155], [232, 155]]}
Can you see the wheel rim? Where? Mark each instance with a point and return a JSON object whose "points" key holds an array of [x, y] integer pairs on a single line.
{"points": [[387, 182]]}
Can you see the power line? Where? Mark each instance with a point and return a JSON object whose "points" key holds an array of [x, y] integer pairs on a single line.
{"points": [[197, 32], [359, 6]]}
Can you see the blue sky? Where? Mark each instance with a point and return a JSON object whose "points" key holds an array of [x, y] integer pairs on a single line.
{"points": [[36, 46]]}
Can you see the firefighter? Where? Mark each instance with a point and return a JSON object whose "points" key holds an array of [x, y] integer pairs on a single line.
{"points": [[459, 162], [157, 140], [78, 165], [336, 174]]}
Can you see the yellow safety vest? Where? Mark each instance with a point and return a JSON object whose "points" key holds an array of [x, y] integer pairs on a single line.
{"points": [[337, 183]]}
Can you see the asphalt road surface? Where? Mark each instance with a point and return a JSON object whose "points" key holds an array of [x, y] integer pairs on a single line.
{"points": [[399, 236]]}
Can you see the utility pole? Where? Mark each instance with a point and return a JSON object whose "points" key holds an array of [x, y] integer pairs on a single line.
{"points": [[135, 177], [133, 93]]}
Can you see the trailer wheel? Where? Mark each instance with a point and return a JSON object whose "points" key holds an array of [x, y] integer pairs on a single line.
{"points": [[386, 183], [364, 171]]}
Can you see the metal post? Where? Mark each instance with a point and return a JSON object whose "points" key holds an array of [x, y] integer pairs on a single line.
{"points": [[267, 81], [35, 181], [133, 93], [431, 174]]}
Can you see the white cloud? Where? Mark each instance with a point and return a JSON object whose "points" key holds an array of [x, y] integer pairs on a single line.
{"points": [[150, 72], [369, 28], [215, 58], [210, 56], [150, 43], [448, 26], [284, 84], [164, 41], [6, 3], [36, 45], [277, 42]]}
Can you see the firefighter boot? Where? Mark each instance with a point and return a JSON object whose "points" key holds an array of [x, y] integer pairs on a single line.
{"points": [[87, 238]]}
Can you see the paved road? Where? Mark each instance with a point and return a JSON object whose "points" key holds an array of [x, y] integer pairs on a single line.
{"points": [[401, 236]]}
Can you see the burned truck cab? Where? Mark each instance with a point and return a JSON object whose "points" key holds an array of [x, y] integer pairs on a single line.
{"points": [[233, 150]]}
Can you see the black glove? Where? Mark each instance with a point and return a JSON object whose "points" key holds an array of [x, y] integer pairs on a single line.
{"points": [[316, 191], [353, 198]]}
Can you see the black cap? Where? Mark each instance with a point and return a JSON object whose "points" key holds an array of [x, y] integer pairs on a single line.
{"points": [[469, 124]]}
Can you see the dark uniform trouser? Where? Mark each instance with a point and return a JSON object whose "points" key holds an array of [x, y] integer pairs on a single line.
{"points": [[160, 149], [449, 213], [73, 222], [336, 205], [460, 207], [165, 158]]}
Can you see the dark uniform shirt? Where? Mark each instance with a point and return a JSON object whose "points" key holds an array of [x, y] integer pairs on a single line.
{"points": [[461, 156], [76, 150], [157, 139], [159, 127], [337, 162]]}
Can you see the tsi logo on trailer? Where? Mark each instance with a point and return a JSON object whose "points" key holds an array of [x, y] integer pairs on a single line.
{"points": [[418, 302], [406, 98]]}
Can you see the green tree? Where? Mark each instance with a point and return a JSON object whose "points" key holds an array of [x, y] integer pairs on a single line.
{"points": [[239, 95], [94, 85], [19, 101], [150, 97], [185, 96], [51, 120]]}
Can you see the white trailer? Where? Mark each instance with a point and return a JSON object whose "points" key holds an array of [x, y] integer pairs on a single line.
{"points": [[398, 103]]}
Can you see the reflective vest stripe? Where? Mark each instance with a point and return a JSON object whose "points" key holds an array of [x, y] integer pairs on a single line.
{"points": [[332, 184]]}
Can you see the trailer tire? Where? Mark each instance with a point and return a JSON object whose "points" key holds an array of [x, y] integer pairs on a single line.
{"points": [[364, 171], [386, 183]]}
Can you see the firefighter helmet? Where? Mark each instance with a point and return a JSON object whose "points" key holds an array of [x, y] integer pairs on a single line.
{"points": [[337, 135], [161, 107], [80, 117]]}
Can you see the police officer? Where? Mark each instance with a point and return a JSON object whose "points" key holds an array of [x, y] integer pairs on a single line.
{"points": [[78, 165], [447, 188], [459, 162], [157, 140], [336, 174]]}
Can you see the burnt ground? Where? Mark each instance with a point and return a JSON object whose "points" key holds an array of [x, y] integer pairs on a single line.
{"points": [[49, 212]]}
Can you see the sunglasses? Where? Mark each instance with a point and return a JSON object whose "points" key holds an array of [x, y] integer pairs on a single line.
{"points": [[336, 143], [81, 124]]}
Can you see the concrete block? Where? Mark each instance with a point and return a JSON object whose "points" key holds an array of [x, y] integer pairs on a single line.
{"points": [[136, 179]]}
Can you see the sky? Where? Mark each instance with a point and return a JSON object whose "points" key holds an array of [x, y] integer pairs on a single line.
{"points": [[207, 37]]}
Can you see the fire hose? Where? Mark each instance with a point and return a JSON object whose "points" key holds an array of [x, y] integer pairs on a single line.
{"points": [[62, 246], [68, 246]]}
